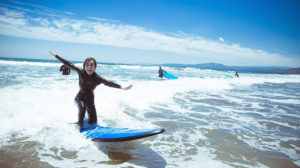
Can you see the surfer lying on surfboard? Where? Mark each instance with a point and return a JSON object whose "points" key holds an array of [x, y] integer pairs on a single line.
{"points": [[88, 81]]}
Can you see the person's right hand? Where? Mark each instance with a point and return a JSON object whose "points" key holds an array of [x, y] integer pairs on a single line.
{"points": [[52, 53]]}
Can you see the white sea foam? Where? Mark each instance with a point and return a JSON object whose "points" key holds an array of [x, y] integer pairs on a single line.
{"points": [[3, 62]]}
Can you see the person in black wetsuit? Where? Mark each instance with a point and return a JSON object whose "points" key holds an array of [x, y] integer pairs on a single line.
{"points": [[160, 72], [236, 74], [88, 80], [65, 70]]}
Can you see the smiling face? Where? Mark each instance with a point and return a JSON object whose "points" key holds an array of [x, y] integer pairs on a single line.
{"points": [[90, 67]]}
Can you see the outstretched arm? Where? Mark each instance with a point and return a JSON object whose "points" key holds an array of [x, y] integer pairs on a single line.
{"points": [[112, 84], [65, 62]]}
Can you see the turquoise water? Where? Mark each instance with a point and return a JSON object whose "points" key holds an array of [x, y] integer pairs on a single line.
{"points": [[210, 120]]}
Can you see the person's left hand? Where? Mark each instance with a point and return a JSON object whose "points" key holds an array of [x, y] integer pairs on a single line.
{"points": [[127, 88]]}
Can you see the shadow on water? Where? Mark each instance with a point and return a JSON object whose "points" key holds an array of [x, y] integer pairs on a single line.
{"points": [[132, 152], [21, 152]]}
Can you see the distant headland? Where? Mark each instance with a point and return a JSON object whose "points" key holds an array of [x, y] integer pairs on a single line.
{"points": [[213, 66], [254, 69]]}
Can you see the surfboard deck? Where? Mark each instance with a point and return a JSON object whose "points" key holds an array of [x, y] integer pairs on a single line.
{"points": [[99, 133], [169, 76]]}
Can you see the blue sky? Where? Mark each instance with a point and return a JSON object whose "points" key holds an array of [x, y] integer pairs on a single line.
{"points": [[231, 32]]}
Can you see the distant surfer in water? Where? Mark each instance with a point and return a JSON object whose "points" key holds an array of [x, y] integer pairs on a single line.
{"points": [[88, 80], [236, 74], [65, 70], [160, 72]]}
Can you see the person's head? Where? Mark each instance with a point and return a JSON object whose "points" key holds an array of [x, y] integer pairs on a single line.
{"points": [[90, 65]]}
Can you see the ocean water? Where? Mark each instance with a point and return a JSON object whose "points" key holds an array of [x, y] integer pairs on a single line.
{"points": [[210, 120]]}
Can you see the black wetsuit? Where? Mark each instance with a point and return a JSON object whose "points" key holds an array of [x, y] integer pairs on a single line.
{"points": [[160, 73], [65, 70], [85, 96], [237, 75]]}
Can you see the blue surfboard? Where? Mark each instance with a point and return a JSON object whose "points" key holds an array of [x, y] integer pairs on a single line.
{"points": [[228, 76], [169, 76], [108, 134]]}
